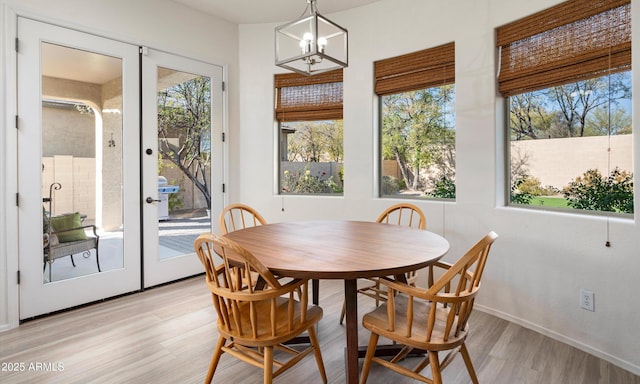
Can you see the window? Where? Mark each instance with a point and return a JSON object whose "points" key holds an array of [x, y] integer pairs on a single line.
{"points": [[417, 123], [309, 115], [566, 73]]}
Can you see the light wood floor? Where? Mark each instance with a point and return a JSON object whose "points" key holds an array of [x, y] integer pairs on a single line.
{"points": [[167, 334]]}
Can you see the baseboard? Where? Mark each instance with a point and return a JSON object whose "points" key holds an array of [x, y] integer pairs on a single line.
{"points": [[635, 369]]}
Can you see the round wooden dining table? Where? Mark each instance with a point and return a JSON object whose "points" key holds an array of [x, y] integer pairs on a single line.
{"points": [[345, 250]]}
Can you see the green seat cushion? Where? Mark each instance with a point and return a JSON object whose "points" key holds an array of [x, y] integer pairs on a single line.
{"points": [[68, 221]]}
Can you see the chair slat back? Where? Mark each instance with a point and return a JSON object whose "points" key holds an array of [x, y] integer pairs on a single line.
{"points": [[465, 275], [239, 216], [246, 308], [404, 214], [408, 215]]}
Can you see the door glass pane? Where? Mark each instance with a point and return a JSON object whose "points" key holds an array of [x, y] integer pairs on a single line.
{"points": [[184, 160], [81, 162]]}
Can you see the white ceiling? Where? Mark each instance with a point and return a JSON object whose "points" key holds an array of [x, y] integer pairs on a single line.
{"points": [[75, 64], [267, 11], [85, 66]]}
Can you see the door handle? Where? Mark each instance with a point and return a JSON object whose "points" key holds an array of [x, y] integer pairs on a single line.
{"points": [[151, 200]]}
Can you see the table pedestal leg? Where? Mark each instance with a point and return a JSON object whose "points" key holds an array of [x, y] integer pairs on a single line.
{"points": [[351, 324], [315, 289]]}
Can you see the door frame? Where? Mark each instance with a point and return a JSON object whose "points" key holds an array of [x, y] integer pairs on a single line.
{"points": [[8, 163]]}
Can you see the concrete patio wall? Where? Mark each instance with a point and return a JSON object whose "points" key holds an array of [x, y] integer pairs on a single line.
{"points": [[556, 162]]}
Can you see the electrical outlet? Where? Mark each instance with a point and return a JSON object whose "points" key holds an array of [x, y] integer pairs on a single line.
{"points": [[586, 300]]}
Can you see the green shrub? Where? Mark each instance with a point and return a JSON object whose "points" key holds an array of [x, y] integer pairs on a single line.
{"points": [[175, 201], [306, 183], [391, 185], [518, 196], [532, 186], [592, 191], [444, 188]]}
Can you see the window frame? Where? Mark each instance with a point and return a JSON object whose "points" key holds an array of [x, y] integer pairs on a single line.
{"points": [[591, 62], [415, 71], [300, 98]]}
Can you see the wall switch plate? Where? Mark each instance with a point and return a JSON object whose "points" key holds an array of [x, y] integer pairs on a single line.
{"points": [[587, 300]]}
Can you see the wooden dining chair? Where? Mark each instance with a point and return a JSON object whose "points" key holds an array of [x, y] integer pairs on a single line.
{"points": [[433, 320], [253, 323], [405, 214], [239, 216]]}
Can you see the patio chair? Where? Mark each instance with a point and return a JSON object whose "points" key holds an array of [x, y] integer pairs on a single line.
{"points": [[66, 235]]}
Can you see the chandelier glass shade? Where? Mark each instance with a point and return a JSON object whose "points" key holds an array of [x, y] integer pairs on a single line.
{"points": [[311, 44]]}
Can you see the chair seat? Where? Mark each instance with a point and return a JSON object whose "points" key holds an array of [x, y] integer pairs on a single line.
{"points": [[71, 248], [283, 331], [377, 321]]}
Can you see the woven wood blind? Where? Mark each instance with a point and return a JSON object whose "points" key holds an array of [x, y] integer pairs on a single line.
{"points": [[307, 98], [418, 70], [575, 40]]}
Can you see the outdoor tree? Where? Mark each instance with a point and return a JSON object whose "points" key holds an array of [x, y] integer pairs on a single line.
{"points": [[310, 142], [394, 131], [576, 101], [184, 119], [416, 133], [316, 141], [334, 134], [528, 117], [584, 108], [604, 122]]}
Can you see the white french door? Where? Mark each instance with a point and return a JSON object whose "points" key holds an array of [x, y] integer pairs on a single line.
{"points": [[84, 157], [78, 151], [182, 161]]}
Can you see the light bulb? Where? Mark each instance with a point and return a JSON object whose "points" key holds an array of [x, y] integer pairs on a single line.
{"points": [[305, 43], [322, 43]]}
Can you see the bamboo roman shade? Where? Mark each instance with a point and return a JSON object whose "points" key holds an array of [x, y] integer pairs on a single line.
{"points": [[431, 67], [575, 40], [308, 98]]}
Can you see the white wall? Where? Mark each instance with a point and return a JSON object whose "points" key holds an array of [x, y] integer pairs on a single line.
{"points": [[159, 24], [541, 259]]}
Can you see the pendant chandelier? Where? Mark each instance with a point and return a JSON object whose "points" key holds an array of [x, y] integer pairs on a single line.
{"points": [[311, 44]]}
